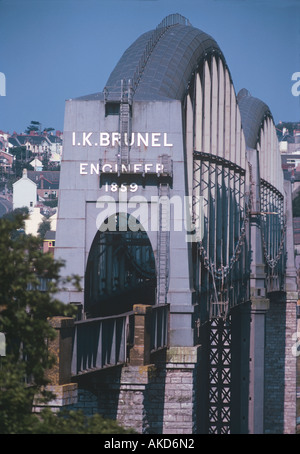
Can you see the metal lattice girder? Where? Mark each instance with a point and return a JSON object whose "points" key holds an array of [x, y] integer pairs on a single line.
{"points": [[273, 224], [219, 394], [222, 185], [119, 263]]}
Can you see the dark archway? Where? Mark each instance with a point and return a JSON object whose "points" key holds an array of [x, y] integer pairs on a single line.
{"points": [[120, 270]]}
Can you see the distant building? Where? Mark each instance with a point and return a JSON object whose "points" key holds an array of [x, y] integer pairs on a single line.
{"points": [[36, 164], [40, 145], [4, 144], [24, 192], [34, 220], [47, 183], [6, 161], [49, 241]]}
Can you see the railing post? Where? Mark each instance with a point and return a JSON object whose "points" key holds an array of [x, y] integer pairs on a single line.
{"points": [[140, 353]]}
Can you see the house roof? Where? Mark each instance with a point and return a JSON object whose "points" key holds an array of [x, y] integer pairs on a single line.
{"points": [[25, 179], [14, 142], [22, 139], [54, 139], [50, 235], [50, 178], [36, 162]]}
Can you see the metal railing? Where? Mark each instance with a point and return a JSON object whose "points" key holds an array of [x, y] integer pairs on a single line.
{"points": [[100, 343], [159, 326], [166, 23], [106, 341]]}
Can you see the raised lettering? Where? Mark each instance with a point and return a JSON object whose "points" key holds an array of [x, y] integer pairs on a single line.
{"points": [[85, 139], [82, 168]]}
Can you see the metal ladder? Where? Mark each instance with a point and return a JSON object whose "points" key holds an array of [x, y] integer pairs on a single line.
{"points": [[163, 243], [124, 124]]}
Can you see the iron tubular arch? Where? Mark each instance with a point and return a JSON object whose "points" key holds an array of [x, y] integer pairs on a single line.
{"points": [[216, 152]]}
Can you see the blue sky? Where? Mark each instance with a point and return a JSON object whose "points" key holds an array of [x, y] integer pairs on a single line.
{"points": [[52, 50]]}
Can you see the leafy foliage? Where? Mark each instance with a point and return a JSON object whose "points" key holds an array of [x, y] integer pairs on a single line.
{"points": [[34, 126], [74, 422], [24, 313], [44, 226], [52, 203], [24, 320]]}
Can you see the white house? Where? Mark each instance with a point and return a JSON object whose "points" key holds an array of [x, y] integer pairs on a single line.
{"points": [[36, 164], [24, 192], [34, 220]]}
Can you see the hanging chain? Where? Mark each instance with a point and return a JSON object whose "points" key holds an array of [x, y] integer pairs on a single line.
{"points": [[272, 263], [223, 272]]}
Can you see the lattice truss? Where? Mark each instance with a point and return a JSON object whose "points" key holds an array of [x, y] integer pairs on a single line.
{"points": [[272, 205], [220, 178], [216, 160], [219, 377], [217, 179], [222, 270], [273, 228]]}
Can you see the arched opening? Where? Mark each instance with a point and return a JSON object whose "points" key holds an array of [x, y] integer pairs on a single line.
{"points": [[120, 270]]}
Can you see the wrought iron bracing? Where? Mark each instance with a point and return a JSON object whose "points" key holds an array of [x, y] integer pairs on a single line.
{"points": [[159, 326], [104, 342], [219, 393], [201, 155], [120, 270], [273, 228], [100, 342], [224, 267]]}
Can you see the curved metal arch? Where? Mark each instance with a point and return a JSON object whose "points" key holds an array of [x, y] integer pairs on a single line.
{"points": [[175, 50], [217, 174], [260, 134]]}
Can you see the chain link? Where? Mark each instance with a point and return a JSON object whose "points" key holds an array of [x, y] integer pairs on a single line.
{"points": [[272, 263], [223, 272]]}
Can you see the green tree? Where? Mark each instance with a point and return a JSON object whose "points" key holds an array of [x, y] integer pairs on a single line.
{"points": [[35, 126], [52, 203], [74, 422], [22, 158], [44, 226], [24, 314], [48, 129]]}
